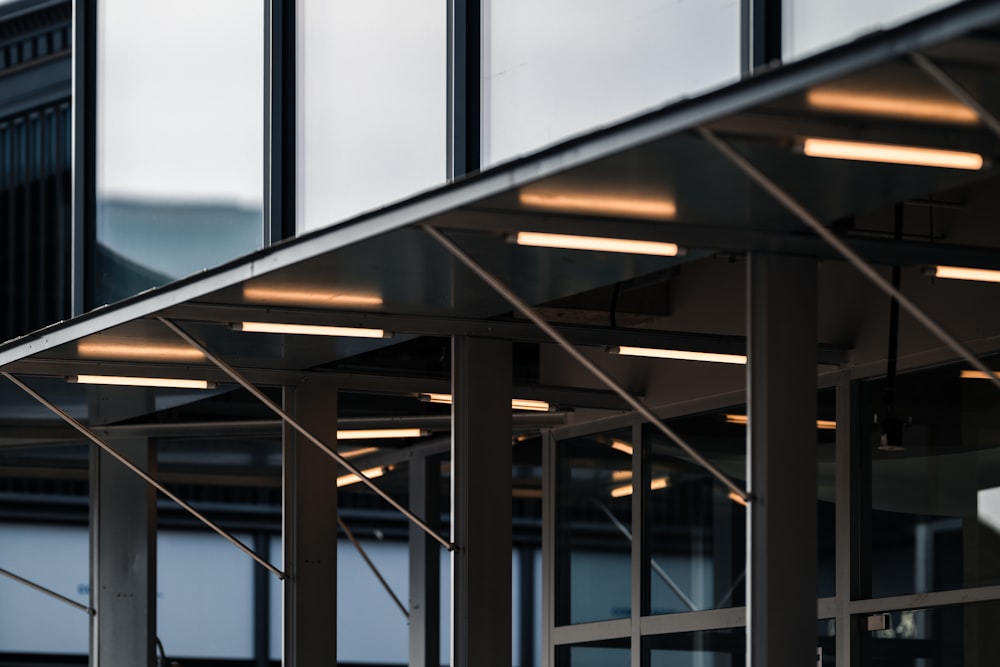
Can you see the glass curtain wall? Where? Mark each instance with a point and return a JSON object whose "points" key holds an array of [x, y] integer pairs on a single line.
{"points": [[180, 127]]}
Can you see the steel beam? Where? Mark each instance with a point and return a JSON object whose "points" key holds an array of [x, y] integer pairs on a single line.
{"points": [[847, 253], [123, 563], [586, 363], [309, 539], [481, 505], [425, 560], [782, 461]]}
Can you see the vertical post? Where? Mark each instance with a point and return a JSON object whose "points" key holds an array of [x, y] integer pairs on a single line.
{"points": [[425, 563], [782, 458], [123, 562], [84, 147], [762, 31], [846, 645], [550, 492], [309, 529], [481, 497], [464, 95], [279, 120], [639, 581]]}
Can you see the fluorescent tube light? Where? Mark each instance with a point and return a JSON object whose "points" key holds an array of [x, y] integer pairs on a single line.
{"points": [[894, 106], [821, 424], [361, 451], [378, 433], [128, 381], [620, 475], [965, 273], [622, 446], [977, 375], [371, 473], [309, 330], [684, 355], [891, 153], [596, 243], [515, 403], [123, 348], [315, 297], [654, 484], [569, 202], [737, 498]]}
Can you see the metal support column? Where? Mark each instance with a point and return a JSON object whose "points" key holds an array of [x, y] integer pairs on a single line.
{"points": [[123, 548], [481, 497], [782, 460], [309, 529], [425, 563]]}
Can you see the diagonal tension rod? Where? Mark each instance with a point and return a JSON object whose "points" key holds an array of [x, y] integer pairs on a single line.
{"points": [[594, 370], [811, 221], [47, 591], [113, 453], [276, 409]]}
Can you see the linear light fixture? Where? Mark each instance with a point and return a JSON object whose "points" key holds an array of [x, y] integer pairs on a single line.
{"points": [[684, 355], [515, 403], [894, 106], [737, 498], [126, 349], [821, 424], [361, 451], [620, 475], [379, 433], [891, 153], [306, 296], [309, 329], [654, 484], [572, 202], [977, 375], [370, 473], [129, 381], [597, 243], [622, 446], [966, 273]]}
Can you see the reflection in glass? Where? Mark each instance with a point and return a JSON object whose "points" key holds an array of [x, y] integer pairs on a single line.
{"points": [[554, 69], [813, 25], [714, 648], [608, 653], [593, 550], [934, 457], [696, 532], [179, 140], [371, 105], [941, 637]]}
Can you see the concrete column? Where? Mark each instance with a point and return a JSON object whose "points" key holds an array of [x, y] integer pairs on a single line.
{"points": [[481, 515], [309, 529], [782, 461]]}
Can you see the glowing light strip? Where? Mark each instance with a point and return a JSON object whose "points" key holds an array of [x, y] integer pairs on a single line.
{"points": [[377, 433], [735, 497], [894, 106], [309, 330], [965, 273], [684, 355], [654, 485], [622, 446], [821, 424], [977, 375], [600, 204], [137, 350], [892, 153], [361, 451], [597, 243], [306, 297], [128, 381], [516, 403], [371, 473]]}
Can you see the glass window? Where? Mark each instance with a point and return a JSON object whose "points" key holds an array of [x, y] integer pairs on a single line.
{"points": [[813, 25], [371, 105], [56, 557], [204, 595], [933, 447], [608, 653], [714, 648], [558, 68], [594, 533], [941, 637], [180, 130]]}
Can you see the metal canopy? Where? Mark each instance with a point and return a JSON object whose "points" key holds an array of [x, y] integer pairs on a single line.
{"points": [[380, 269]]}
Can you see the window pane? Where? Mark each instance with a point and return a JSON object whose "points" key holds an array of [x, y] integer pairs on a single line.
{"points": [[593, 550], [561, 67], [608, 653], [813, 25], [934, 453], [371, 105], [715, 648], [942, 637], [179, 139]]}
